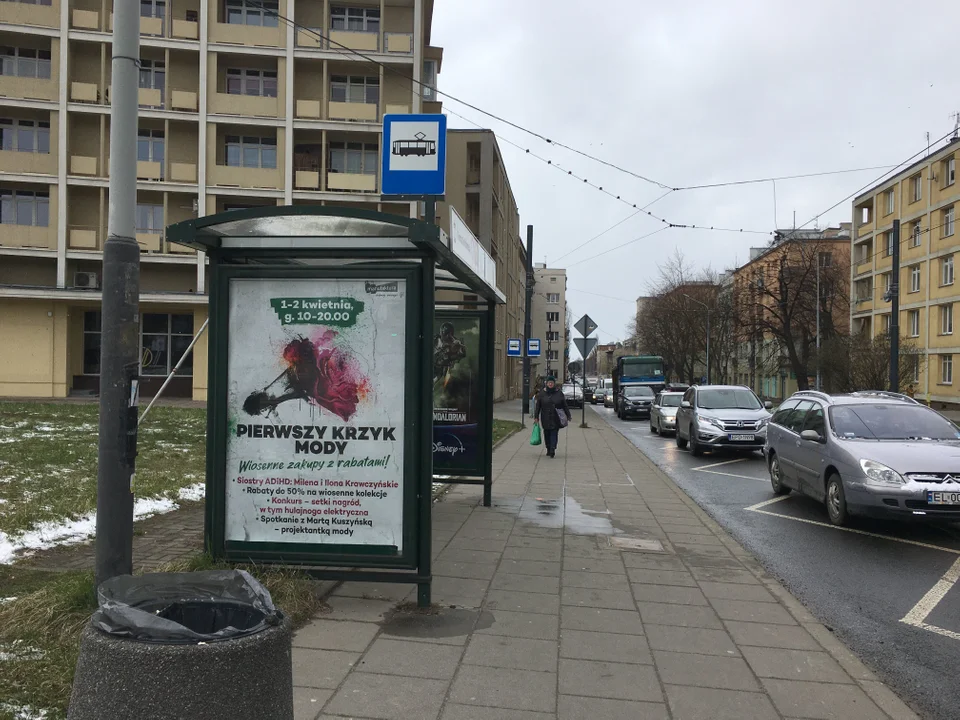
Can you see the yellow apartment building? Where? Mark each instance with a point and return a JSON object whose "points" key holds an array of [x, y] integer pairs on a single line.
{"points": [[924, 198], [237, 109]]}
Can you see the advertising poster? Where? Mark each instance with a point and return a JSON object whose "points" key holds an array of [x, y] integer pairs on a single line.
{"points": [[315, 411], [456, 394]]}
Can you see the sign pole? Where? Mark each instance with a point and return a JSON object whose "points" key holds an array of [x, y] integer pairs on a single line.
{"points": [[527, 320], [488, 399]]}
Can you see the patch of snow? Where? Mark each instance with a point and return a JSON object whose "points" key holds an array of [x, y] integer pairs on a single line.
{"points": [[18, 651], [24, 712], [7, 600], [193, 492], [6, 440], [46, 428]]}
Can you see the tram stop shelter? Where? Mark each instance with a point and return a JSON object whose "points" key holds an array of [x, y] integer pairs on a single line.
{"points": [[324, 355]]}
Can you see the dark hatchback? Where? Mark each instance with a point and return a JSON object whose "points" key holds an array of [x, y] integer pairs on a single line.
{"points": [[635, 401]]}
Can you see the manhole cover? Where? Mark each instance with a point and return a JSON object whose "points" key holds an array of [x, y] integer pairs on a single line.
{"points": [[636, 544]]}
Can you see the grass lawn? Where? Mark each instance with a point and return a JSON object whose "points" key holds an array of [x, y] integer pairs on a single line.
{"points": [[503, 429], [48, 460], [40, 629]]}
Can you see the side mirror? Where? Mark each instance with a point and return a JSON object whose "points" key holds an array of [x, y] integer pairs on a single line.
{"points": [[811, 435], [767, 405], [685, 404]]}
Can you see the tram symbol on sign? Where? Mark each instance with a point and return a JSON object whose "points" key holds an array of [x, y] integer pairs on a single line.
{"points": [[419, 146]]}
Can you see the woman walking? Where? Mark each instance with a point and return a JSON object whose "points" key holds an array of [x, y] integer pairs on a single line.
{"points": [[551, 404]]}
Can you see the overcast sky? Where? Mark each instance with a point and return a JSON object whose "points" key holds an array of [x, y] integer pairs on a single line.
{"points": [[690, 93]]}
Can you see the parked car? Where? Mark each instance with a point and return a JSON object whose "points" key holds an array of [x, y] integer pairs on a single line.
{"points": [[608, 397], [600, 395], [867, 453], [676, 387], [635, 401], [573, 394], [663, 414], [588, 392], [721, 416]]}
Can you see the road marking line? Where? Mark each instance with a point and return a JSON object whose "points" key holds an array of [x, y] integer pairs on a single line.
{"points": [[850, 530], [745, 477], [771, 501], [704, 468], [919, 613]]}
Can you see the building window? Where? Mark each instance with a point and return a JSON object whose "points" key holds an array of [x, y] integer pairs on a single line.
{"points": [[946, 270], [25, 62], [916, 368], [886, 323], [355, 19], [947, 223], [264, 13], [91, 343], [913, 319], [25, 207], [946, 319], [553, 298], [553, 336], [163, 340], [890, 204], [150, 146], [825, 258], [915, 235], [887, 281], [949, 171], [256, 83], [553, 317], [251, 152], [355, 89], [946, 369], [914, 278], [153, 74], [429, 87], [553, 354], [153, 8], [149, 219], [916, 187], [356, 158], [31, 2], [888, 244], [25, 136]]}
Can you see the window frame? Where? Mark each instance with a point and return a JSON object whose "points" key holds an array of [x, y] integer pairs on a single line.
{"points": [[343, 87], [255, 75], [369, 154], [915, 235], [946, 319], [949, 171], [242, 143], [152, 139], [913, 322], [342, 14], [248, 12], [19, 54], [946, 369], [948, 222], [890, 204], [553, 298], [155, 228], [34, 128], [916, 188], [946, 271], [34, 198], [915, 278]]}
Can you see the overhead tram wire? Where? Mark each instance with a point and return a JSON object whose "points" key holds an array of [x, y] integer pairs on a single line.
{"points": [[455, 99], [733, 183]]}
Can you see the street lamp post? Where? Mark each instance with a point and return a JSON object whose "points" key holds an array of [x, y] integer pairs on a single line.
{"points": [[707, 308]]}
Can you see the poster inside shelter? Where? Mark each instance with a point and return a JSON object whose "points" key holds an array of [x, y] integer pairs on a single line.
{"points": [[456, 393], [315, 404]]}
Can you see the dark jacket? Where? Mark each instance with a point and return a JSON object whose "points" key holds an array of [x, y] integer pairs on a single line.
{"points": [[548, 403]]}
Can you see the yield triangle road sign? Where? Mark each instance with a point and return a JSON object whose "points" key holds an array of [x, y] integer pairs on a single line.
{"points": [[585, 325], [585, 346]]}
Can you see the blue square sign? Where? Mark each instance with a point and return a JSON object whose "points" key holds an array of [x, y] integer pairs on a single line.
{"points": [[533, 347], [513, 347], [413, 156]]}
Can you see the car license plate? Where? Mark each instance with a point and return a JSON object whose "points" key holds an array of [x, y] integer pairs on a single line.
{"points": [[741, 438], [943, 498]]}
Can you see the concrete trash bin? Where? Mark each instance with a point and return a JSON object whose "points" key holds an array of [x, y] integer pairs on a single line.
{"points": [[172, 646]]}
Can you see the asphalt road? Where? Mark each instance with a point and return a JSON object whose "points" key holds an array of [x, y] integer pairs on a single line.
{"points": [[862, 583]]}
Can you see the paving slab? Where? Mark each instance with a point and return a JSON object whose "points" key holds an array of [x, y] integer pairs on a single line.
{"points": [[590, 708], [389, 656], [610, 647], [697, 703], [619, 681], [512, 652], [501, 688], [388, 697]]}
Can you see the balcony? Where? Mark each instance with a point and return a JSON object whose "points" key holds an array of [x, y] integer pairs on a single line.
{"points": [[351, 182], [150, 97], [307, 180], [363, 112], [28, 88], [28, 162], [83, 238], [865, 229], [85, 19], [186, 29], [147, 170], [149, 241], [28, 236], [396, 109], [307, 39], [183, 100], [308, 108], [148, 25], [250, 105], [398, 43], [84, 92], [24, 14], [83, 165], [183, 172], [229, 34], [229, 176], [369, 41]]}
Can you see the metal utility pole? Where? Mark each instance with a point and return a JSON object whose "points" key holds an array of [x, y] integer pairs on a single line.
{"points": [[895, 311], [818, 320], [119, 351], [527, 321]]}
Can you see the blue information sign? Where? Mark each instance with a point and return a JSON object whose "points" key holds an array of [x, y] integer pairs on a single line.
{"points": [[533, 347], [413, 156], [513, 347]]}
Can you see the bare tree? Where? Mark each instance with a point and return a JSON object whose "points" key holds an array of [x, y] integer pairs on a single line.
{"points": [[779, 308], [859, 362]]}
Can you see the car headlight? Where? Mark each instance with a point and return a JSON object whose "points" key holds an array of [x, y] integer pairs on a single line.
{"points": [[763, 423], [713, 421], [880, 473]]}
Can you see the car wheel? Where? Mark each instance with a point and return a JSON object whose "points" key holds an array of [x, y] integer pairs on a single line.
{"points": [[836, 501], [681, 442], [653, 428], [696, 449], [776, 476]]}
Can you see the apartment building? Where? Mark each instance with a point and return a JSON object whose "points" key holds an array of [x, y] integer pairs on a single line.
{"points": [[238, 108], [478, 188], [924, 197], [784, 274], [549, 321]]}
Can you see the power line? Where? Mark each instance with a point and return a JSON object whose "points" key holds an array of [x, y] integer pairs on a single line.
{"points": [[608, 297], [642, 237], [732, 183]]}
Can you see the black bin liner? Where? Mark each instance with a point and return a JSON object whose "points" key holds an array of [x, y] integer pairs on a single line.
{"points": [[185, 608]]}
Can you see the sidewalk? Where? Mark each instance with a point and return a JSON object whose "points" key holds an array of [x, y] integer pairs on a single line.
{"points": [[594, 589]]}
